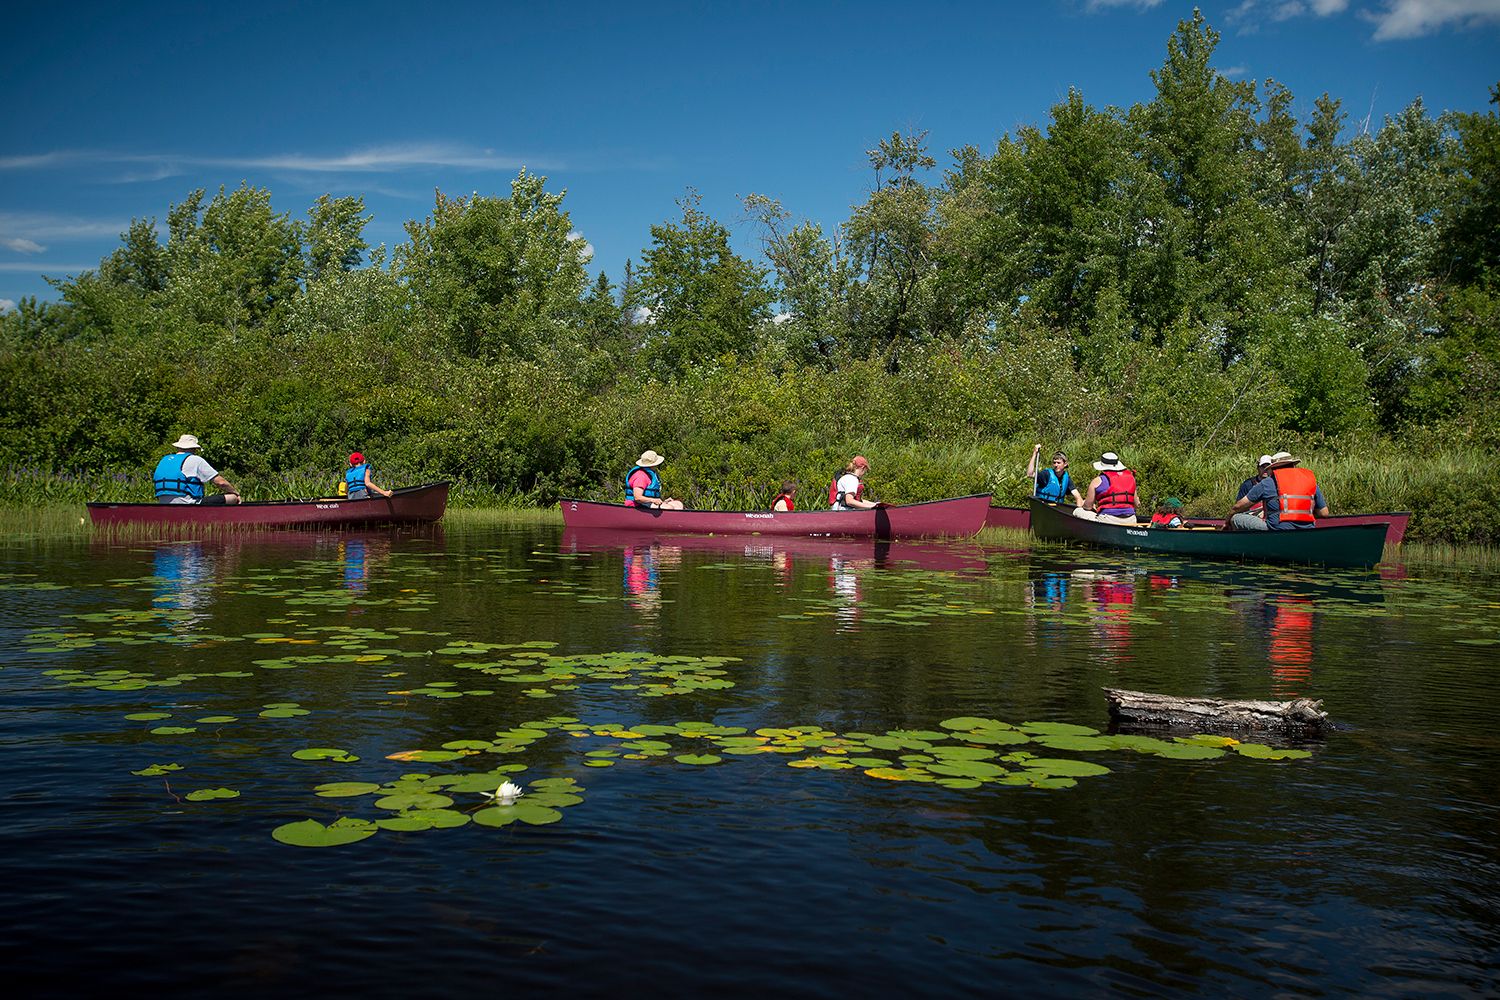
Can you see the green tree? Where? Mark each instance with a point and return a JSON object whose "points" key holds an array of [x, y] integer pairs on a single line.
{"points": [[703, 299], [890, 236], [335, 240], [811, 280], [498, 275]]}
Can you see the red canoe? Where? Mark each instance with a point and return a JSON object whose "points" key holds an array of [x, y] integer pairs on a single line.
{"points": [[411, 504], [959, 516], [1019, 518]]}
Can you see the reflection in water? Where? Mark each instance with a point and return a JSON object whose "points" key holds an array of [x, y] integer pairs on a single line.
{"points": [[642, 575], [185, 573], [1291, 649], [360, 557], [843, 578]]}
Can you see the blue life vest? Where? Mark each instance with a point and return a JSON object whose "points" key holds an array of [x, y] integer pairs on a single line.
{"points": [[652, 490], [354, 481], [1055, 489], [170, 482]]}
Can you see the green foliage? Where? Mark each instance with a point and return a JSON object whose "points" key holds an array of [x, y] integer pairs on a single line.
{"points": [[1190, 281], [703, 300], [496, 274]]}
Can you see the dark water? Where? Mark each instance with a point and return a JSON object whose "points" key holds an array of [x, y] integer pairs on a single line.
{"points": [[1368, 868]]}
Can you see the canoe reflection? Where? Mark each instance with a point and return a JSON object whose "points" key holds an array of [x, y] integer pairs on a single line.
{"points": [[782, 553]]}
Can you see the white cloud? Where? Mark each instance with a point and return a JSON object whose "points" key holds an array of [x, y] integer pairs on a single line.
{"points": [[1327, 8], [781, 317], [1098, 5], [1249, 12], [34, 226], [642, 314], [21, 245], [7, 305], [1415, 18], [1235, 72], [374, 159], [38, 267], [586, 252]]}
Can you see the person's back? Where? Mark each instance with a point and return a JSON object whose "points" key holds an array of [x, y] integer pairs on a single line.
{"points": [[182, 476], [178, 478], [1292, 498], [1115, 496]]}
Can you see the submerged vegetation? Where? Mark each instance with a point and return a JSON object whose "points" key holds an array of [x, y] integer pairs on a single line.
{"points": [[1190, 281]]}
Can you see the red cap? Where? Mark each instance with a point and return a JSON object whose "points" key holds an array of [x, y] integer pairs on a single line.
{"points": [[860, 460], [356, 458]]}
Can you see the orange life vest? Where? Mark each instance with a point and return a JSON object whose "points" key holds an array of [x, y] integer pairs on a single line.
{"points": [[1296, 491], [783, 496]]}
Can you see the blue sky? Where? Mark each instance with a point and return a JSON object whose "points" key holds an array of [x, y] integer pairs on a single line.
{"points": [[118, 110]]}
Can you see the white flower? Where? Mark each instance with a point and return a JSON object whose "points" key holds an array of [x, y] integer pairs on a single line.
{"points": [[507, 794]]}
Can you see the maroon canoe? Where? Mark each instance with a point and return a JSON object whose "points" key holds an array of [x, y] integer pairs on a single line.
{"points": [[1019, 518], [958, 516], [407, 505]]}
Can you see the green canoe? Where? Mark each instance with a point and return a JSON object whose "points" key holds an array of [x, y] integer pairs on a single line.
{"points": [[1353, 545]]}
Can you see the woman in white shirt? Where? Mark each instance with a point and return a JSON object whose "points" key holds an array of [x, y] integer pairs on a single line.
{"points": [[849, 490]]}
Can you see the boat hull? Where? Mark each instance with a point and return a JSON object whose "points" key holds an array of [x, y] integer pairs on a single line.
{"points": [[413, 504], [956, 517], [1358, 545], [1019, 518]]}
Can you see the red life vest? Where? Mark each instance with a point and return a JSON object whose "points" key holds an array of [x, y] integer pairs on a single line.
{"points": [[1163, 520], [788, 498], [833, 489], [1296, 491], [1121, 491]]}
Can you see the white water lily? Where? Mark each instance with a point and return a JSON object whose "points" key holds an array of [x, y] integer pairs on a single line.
{"points": [[507, 794]]}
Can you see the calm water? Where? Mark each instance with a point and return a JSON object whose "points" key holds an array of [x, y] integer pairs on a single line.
{"points": [[1369, 868]]}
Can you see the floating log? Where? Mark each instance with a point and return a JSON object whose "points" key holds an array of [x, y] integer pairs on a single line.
{"points": [[1141, 708]]}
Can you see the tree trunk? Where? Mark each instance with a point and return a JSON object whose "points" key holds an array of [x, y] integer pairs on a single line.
{"points": [[1143, 709]]}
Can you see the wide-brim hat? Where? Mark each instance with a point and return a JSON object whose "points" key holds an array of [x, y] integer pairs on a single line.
{"points": [[648, 459], [186, 441], [1109, 462], [1282, 459]]}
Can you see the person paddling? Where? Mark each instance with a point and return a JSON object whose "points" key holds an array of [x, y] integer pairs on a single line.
{"points": [[357, 482], [643, 484], [180, 477], [847, 492], [1292, 497], [785, 500], [1110, 497], [1052, 483]]}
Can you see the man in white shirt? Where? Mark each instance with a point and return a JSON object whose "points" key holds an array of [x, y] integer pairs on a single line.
{"points": [[180, 477]]}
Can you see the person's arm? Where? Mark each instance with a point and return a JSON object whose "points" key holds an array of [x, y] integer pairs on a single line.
{"points": [[224, 484], [1089, 494], [641, 500], [1031, 465], [370, 485], [1077, 497]]}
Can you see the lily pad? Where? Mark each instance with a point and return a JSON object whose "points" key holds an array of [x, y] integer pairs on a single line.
{"points": [[148, 716], [208, 794], [345, 789], [1061, 767], [701, 759], [311, 833], [1259, 751], [156, 769], [413, 800], [325, 753]]}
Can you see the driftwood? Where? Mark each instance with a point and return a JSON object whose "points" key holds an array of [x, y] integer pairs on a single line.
{"points": [[1142, 709]]}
